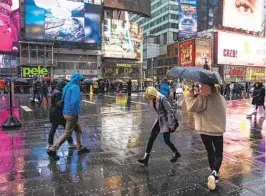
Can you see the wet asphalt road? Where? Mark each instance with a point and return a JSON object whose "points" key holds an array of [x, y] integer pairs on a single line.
{"points": [[116, 130]]}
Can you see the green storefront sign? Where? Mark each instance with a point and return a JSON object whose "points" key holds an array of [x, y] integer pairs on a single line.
{"points": [[29, 72]]}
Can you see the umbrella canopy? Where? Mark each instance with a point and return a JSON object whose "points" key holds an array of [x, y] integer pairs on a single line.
{"points": [[94, 79], [127, 78], [196, 74], [21, 80]]}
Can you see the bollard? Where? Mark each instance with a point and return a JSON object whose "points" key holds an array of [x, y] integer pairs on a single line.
{"points": [[91, 90]]}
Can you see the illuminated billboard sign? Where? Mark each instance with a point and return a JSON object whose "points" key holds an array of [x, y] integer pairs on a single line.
{"points": [[187, 18], [122, 39], [28, 72], [247, 14], [9, 25], [203, 52], [63, 20], [187, 53], [138, 6], [238, 49]]}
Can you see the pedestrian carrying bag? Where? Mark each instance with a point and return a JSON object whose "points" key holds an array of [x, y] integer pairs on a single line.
{"points": [[173, 116]]}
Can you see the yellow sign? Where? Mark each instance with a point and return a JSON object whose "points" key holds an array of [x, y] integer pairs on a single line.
{"points": [[123, 65], [121, 100]]}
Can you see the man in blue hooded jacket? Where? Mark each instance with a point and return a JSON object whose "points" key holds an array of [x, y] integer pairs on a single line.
{"points": [[165, 89], [71, 98]]}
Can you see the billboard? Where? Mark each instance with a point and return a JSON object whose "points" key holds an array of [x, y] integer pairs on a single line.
{"points": [[7, 61], [203, 52], [122, 39], [246, 14], [187, 18], [30, 71], [9, 25], [138, 6], [238, 49], [187, 53], [63, 20]]}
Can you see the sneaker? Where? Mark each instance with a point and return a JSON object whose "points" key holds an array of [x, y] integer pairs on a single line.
{"points": [[83, 150], [72, 146], [53, 155], [212, 179]]}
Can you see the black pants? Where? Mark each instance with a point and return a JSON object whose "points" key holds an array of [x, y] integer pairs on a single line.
{"points": [[36, 94], [52, 133], [155, 131], [214, 147], [174, 93]]}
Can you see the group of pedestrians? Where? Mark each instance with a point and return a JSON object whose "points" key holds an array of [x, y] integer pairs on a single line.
{"points": [[209, 107], [40, 91], [65, 111], [258, 98]]}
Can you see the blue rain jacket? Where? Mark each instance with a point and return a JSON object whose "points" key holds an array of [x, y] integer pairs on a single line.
{"points": [[71, 96], [165, 89]]}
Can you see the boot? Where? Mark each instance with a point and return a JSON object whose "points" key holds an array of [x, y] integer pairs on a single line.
{"points": [[145, 159], [175, 156]]}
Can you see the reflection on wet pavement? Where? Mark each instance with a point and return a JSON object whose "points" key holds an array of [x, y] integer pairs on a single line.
{"points": [[116, 129]]}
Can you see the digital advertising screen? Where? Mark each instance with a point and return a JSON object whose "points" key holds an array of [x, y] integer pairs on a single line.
{"points": [[63, 20], [122, 39], [203, 52], [243, 14], [187, 18], [7, 61], [238, 49], [138, 6], [9, 25], [187, 53]]}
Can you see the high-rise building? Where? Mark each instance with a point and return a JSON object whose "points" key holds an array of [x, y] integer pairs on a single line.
{"points": [[161, 27]]}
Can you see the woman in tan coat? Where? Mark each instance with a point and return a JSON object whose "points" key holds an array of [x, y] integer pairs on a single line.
{"points": [[210, 122]]}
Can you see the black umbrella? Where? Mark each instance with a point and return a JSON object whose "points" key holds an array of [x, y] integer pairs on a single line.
{"points": [[196, 74], [21, 80]]}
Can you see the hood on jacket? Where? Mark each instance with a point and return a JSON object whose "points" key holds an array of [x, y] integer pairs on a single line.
{"points": [[152, 93], [60, 85], [75, 79]]}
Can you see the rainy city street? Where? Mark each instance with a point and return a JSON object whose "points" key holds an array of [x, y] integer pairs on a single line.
{"points": [[116, 129]]}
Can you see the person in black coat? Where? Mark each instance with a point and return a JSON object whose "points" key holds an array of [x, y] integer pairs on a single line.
{"points": [[129, 87], [56, 116], [36, 90], [258, 97], [44, 91]]}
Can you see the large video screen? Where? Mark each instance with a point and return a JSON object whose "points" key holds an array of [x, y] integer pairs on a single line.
{"points": [[138, 6], [187, 18], [243, 14], [237, 49], [9, 25], [122, 39], [63, 20]]}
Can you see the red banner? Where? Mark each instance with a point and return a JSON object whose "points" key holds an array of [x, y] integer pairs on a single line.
{"points": [[187, 53]]}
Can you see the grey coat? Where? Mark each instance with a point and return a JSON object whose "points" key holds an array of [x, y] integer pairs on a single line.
{"points": [[165, 114]]}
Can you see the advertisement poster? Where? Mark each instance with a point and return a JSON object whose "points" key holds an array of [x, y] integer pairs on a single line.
{"points": [[203, 52], [122, 39], [187, 18], [63, 20], [238, 49], [187, 53], [243, 14], [7, 60], [139, 6], [9, 25]]}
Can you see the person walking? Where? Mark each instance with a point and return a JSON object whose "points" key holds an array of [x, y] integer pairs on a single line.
{"points": [[44, 91], [209, 107], [71, 111], [179, 95], [258, 98], [164, 88], [36, 90], [164, 123], [129, 87], [56, 115]]}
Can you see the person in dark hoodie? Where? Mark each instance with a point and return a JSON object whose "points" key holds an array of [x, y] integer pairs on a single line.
{"points": [[56, 115], [71, 110], [258, 98]]}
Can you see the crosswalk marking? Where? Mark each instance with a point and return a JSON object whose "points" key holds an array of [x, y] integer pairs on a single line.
{"points": [[138, 102], [88, 102], [26, 108]]}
